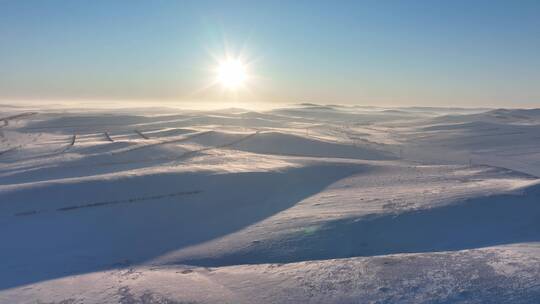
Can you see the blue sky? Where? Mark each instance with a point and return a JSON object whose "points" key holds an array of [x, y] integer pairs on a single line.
{"points": [[453, 53]]}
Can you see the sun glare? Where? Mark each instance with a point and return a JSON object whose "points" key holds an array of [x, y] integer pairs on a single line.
{"points": [[231, 73]]}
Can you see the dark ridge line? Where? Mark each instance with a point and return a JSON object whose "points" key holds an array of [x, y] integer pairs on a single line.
{"points": [[8, 118]]}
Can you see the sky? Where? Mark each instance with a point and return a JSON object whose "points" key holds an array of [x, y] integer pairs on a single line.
{"points": [[386, 53]]}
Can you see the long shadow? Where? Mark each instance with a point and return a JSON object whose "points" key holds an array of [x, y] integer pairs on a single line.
{"points": [[473, 223], [106, 162], [50, 243]]}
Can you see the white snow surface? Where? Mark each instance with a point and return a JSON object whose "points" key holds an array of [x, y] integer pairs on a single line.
{"points": [[303, 204]]}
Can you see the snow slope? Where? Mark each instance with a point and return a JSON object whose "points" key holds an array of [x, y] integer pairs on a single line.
{"points": [[314, 204]]}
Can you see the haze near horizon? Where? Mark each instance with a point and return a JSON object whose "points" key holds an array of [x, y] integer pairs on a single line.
{"points": [[392, 53]]}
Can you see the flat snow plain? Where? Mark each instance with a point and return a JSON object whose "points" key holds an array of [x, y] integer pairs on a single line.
{"points": [[300, 204]]}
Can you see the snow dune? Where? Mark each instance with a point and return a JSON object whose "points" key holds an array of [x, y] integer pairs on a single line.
{"points": [[507, 116], [309, 203], [475, 223], [35, 216], [285, 144], [443, 277]]}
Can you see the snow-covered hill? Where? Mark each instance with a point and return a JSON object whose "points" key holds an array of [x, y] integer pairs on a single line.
{"points": [[304, 204]]}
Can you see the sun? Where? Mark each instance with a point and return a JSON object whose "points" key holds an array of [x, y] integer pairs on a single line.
{"points": [[231, 73]]}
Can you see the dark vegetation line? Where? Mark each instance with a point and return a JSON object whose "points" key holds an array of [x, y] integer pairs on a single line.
{"points": [[108, 137], [70, 145], [6, 119], [113, 202], [73, 139], [130, 200], [145, 198], [9, 150], [182, 156], [141, 134], [59, 151]]}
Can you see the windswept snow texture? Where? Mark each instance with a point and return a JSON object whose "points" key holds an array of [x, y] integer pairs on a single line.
{"points": [[304, 204]]}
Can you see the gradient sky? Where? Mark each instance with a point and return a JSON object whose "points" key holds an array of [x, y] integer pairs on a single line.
{"points": [[435, 53]]}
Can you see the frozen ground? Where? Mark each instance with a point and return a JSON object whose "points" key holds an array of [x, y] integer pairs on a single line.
{"points": [[304, 204]]}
